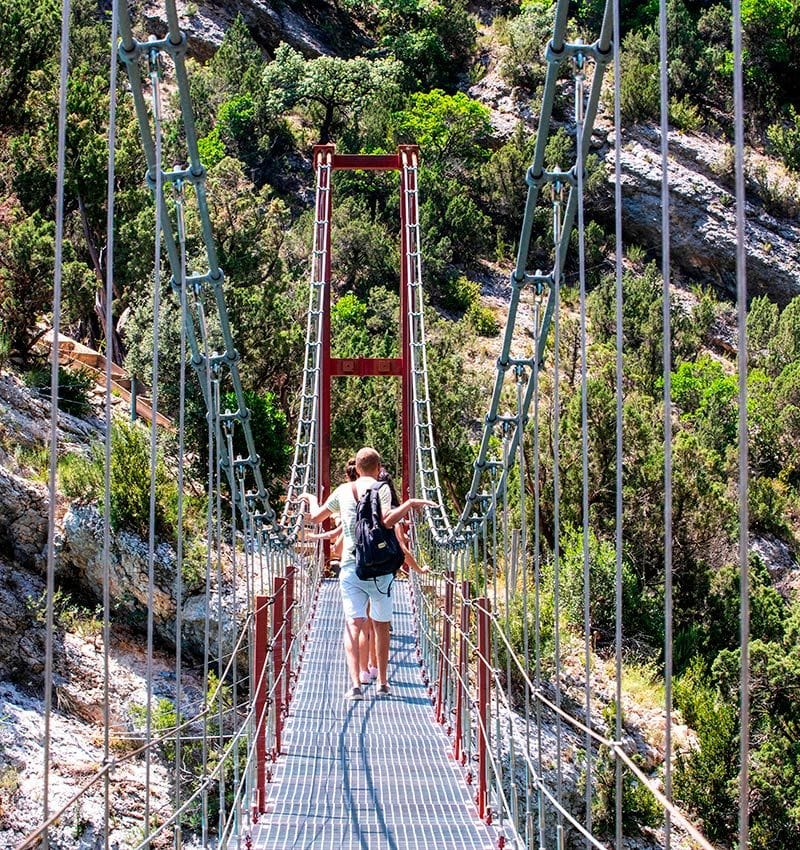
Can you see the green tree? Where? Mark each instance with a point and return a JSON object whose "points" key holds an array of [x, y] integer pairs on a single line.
{"points": [[33, 155], [452, 130], [432, 40], [270, 430], [334, 90], [28, 32], [26, 274], [524, 40]]}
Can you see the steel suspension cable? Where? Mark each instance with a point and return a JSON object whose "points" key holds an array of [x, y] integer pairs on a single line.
{"points": [[109, 335], [579, 132], [523, 569], [156, 175], [180, 519], [557, 505], [54, 381], [667, 378], [743, 455], [210, 437], [537, 567], [618, 409]]}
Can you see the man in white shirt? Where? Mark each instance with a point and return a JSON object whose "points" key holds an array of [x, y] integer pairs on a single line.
{"points": [[356, 593]]}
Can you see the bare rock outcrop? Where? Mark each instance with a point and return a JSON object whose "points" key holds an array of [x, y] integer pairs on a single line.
{"points": [[313, 28], [79, 561], [781, 561], [702, 213], [23, 518]]}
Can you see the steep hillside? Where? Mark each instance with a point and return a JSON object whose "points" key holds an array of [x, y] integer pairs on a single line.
{"points": [[269, 80]]}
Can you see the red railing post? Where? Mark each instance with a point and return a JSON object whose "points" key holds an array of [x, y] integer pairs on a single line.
{"points": [[287, 635], [444, 657], [261, 637], [278, 650], [461, 675], [484, 690]]}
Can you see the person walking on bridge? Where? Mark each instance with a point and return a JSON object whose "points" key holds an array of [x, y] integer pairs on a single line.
{"points": [[356, 593]]}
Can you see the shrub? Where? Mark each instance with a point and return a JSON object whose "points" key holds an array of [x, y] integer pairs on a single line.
{"points": [[602, 582], [525, 38], [762, 323], [785, 139], [778, 191], [73, 388], [211, 148], [68, 613], [705, 778], [81, 478], [460, 293], [767, 503], [130, 482], [685, 115], [640, 809], [483, 320], [640, 95], [236, 121]]}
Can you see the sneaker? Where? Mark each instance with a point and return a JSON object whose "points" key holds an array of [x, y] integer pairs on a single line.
{"points": [[383, 690], [366, 677], [354, 694]]}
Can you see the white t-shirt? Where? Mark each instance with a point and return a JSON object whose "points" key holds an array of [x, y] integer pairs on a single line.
{"points": [[341, 502]]}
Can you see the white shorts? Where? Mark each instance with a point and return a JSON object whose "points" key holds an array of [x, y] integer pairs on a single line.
{"points": [[356, 593]]}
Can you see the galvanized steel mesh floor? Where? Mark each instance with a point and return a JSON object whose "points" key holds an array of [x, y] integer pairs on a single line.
{"points": [[371, 775]]}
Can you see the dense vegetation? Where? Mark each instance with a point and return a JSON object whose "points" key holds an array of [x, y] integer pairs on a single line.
{"points": [[259, 109]]}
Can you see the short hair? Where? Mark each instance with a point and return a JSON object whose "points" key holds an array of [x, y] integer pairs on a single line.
{"points": [[350, 469], [368, 461]]}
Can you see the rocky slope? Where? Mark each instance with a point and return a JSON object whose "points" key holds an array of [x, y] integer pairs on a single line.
{"points": [[313, 28], [78, 660], [702, 202]]}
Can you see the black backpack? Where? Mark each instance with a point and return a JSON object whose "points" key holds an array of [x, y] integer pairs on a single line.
{"points": [[377, 551]]}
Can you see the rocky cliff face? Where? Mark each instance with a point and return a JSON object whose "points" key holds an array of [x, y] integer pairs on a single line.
{"points": [[702, 202], [314, 28], [703, 210]]}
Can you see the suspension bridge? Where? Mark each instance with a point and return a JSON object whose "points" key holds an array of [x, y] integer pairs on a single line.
{"points": [[477, 741]]}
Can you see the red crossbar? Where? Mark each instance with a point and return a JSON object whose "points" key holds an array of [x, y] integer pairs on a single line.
{"points": [[366, 162], [364, 366]]}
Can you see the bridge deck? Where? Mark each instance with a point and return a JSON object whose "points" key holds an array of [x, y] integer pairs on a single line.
{"points": [[367, 775]]}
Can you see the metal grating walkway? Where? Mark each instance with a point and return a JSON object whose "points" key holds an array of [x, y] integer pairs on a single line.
{"points": [[374, 775]]}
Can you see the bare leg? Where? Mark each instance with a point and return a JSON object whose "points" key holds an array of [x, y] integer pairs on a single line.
{"points": [[373, 652], [352, 633], [382, 648], [365, 641]]}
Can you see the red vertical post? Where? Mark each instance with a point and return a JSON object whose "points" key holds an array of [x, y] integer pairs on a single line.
{"points": [[444, 657], [287, 634], [484, 691], [278, 645], [261, 627], [461, 677]]}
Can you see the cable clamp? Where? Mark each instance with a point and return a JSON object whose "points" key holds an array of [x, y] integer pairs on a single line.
{"points": [[539, 280], [574, 50]]}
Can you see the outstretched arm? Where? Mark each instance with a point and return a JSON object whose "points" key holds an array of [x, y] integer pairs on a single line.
{"points": [[326, 535], [394, 515], [316, 512]]}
